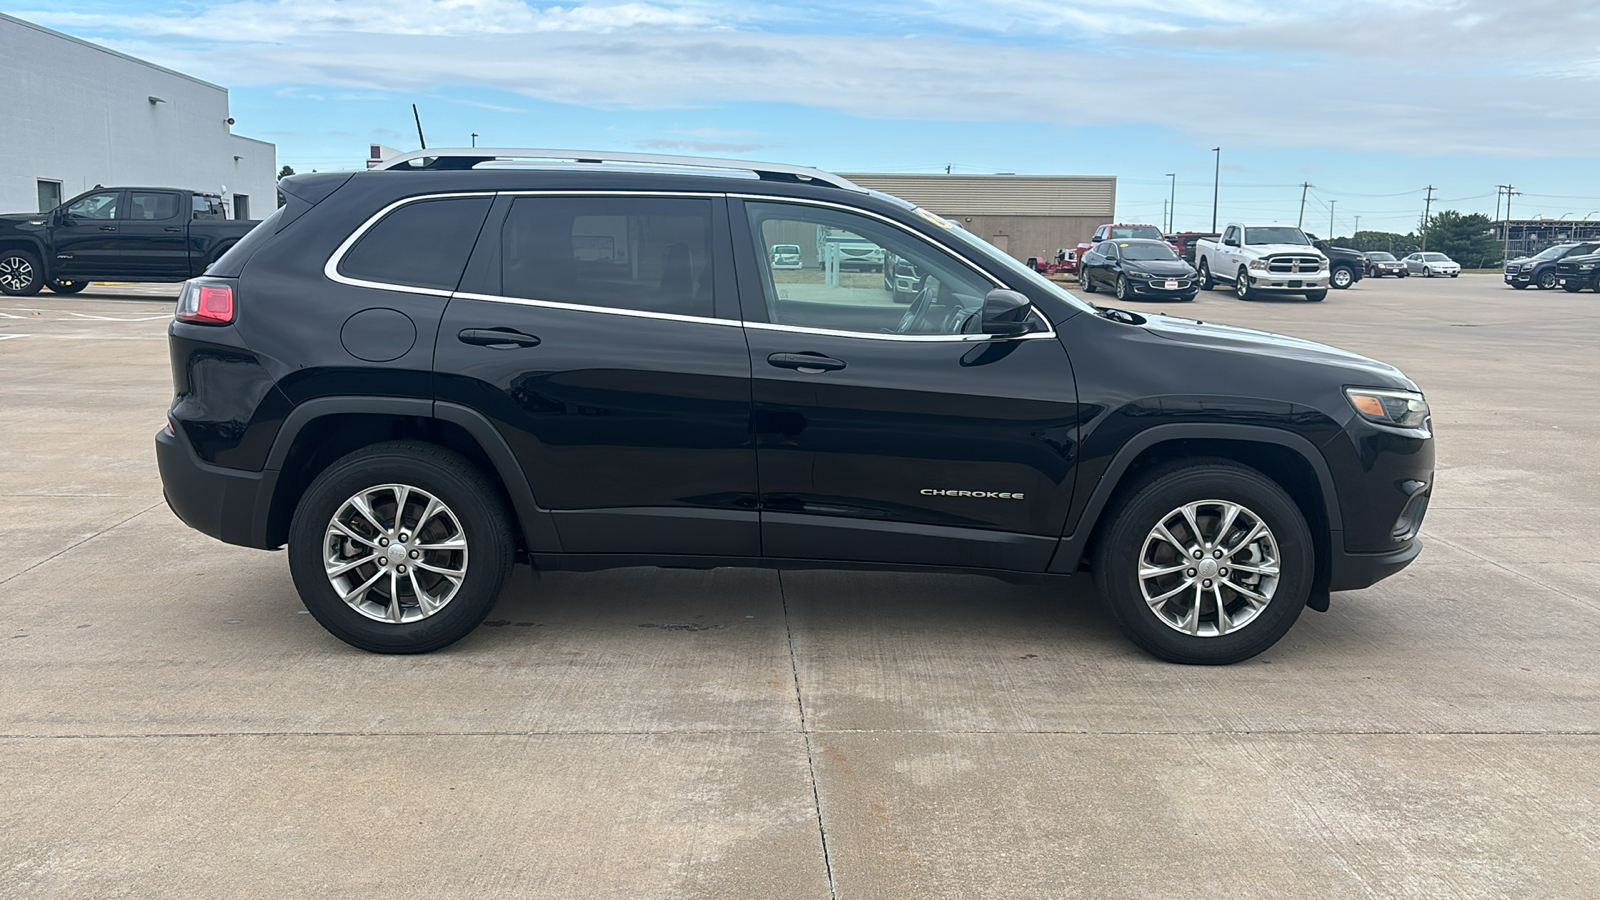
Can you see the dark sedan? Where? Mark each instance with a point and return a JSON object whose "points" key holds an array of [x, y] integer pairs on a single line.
{"points": [[1380, 264], [1138, 268]]}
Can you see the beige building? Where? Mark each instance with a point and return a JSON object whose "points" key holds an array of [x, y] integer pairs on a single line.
{"points": [[1024, 215]]}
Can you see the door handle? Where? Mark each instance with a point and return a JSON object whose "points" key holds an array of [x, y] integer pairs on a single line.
{"points": [[173, 228], [497, 338], [810, 363], [108, 228]]}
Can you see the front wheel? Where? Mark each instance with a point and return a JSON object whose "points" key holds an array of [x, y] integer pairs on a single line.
{"points": [[1206, 281], [1571, 285], [1316, 296], [1241, 284], [1122, 287], [401, 547], [65, 287], [1205, 562], [1086, 282], [1342, 278], [20, 274]]}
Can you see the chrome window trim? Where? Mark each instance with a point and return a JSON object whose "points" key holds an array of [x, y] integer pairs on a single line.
{"points": [[331, 269]]}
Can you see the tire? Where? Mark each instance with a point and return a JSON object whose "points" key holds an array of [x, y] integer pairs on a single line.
{"points": [[1455, 274], [1122, 287], [1548, 280], [1342, 278], [1571, 285], [1206, 281], [1173, 629], [473, 514], [66, 287], [1087, 283], [1405, 274], [1187, 298], [20, 274], [1519, 285], [1241, 285], [1427, 272], [1316, 296]]}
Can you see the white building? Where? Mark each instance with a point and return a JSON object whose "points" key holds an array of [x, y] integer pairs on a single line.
{"points": [[78, 115]]}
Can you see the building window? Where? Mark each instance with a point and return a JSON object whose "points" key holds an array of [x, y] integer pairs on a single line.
{"points": [[49, 195], [241, 206]]}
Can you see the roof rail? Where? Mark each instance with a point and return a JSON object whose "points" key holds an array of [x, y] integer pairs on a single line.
{"points": [[467, 157]]}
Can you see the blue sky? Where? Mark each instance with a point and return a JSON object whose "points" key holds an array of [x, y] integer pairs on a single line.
{"points": [[1370, 102]]}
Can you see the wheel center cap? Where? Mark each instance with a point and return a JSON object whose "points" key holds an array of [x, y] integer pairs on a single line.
{"points": [[397, 552], [1208, 568]]}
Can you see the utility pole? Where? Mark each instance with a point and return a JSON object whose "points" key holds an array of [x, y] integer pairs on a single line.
{"points": [[1330, 218], [1304, 186], [1172, 204], [1509, 191], [1357, 232], [947, 170], [474, 139], [1426, 210], [1216, 182]]}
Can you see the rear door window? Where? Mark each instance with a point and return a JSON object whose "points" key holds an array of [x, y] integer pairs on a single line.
{"points": [[424, 244], [648, 254], [150, 206]]}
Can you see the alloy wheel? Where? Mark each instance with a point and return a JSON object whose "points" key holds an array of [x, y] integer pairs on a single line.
{"points": [[1209, 568], [395, 553], [16, 273]]}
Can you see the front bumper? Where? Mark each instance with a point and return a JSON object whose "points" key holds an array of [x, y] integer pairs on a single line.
{"points": [[230, 505], [1288, 282], [1157, 287], [1354, 571], [1516, 277]]}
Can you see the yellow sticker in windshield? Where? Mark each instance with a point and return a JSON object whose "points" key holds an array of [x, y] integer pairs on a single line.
{"points": [[934, 218]]}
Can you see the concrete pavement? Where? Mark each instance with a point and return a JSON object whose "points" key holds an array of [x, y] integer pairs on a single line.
{"points": [[173, 724]]}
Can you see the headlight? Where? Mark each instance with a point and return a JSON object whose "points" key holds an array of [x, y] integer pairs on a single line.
{"points": [[1258, 264], [1527, 267], [1586, 267], [1400, 409]]}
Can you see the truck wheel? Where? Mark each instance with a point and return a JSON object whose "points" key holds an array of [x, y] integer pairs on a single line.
{"points": [[1206, 282], [1342, 278], [1241, 285], [20, 274], [1519, 285], [1204, 561], [1316, 296], [1571, 285], [65, 287], [400, 547]]}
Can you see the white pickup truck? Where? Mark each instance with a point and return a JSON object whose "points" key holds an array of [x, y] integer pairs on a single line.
{"points": [[1263, 259]]}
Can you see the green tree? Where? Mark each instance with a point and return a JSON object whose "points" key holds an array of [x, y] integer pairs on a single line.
{"points": [[285, 172], [1398, 244], [1466, 239]]}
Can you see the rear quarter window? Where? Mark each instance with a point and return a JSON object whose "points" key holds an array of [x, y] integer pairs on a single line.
{"points": [[423, 244]]}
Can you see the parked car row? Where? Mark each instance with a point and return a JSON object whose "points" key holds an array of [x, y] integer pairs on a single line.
{"points": [[1543, 269]]}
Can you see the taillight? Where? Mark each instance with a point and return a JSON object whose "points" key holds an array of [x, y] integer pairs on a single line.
{"points": [[206, 303]]}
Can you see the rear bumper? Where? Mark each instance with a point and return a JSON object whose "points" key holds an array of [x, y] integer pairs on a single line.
{"points": [[1354, 571], [230, 505]]}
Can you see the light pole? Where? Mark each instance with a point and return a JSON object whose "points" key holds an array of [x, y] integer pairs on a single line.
{"points": [[474, 139], [1357, 232], [1330, 218], [1172, 204], [1216, 182]]}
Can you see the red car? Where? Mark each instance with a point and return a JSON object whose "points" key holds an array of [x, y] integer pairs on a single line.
{"points": [[1380, 264]]}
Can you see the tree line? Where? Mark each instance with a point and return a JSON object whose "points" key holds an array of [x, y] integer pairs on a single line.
{"points": [[1467, 239]]}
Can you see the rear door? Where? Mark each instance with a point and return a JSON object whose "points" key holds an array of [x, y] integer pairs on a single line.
{"points": [[152, 235], [600, 334], [892, 432]]}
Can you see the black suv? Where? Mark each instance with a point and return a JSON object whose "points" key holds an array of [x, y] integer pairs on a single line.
{"points": [[418, 375], [1545, 269]]}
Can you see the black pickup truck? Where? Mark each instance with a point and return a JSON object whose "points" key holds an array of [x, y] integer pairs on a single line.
{"points": [[1345, 266], [115, 234]]}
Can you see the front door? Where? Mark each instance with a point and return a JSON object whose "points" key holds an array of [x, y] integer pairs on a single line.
{"points": [[895, 432], [591, 330], [85, 237]]}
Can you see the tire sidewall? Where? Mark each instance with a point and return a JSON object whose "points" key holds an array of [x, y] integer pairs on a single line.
{"points": [[456, 484], [1241, 284], [1118, 548], [1342, 278]]}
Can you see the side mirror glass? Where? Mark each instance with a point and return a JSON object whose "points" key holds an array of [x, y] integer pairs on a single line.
{"points": [[1008, 314]]}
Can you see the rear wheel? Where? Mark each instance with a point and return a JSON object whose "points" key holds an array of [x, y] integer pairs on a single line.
{"points": [[65, 287], [20, 274], [400, 547], [1205, 562]]}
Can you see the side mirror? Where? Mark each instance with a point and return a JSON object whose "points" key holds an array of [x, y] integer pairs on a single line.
{"points": [[1008, 314]]}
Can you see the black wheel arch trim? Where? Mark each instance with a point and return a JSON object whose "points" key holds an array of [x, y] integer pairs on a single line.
{"points": [[1070, 551], [536, 525], [32, 245]]}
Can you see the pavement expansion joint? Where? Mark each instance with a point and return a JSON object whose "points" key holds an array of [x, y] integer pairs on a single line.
{"points": [[805, 732]]}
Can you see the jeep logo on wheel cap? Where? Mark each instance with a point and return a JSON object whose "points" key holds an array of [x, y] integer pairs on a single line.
{"points": [[980, 495]]}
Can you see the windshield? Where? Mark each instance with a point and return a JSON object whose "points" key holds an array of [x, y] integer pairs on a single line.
{"points": [[965, 240], [1276, 235], [1380, 256], [1147, 250], [1435, 257], [1130, 232], [1553, 252]]}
